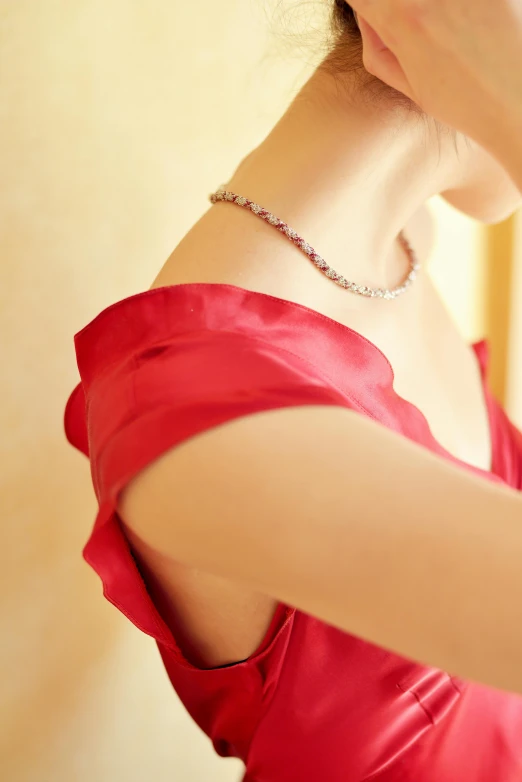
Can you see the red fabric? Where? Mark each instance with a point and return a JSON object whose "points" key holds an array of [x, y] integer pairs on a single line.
{"points": [[313, 703]]}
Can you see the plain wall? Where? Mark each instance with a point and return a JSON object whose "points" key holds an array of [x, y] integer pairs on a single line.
{"points": [[118, 118]]}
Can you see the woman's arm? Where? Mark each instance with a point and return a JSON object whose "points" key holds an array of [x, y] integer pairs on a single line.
{"points": [[328, 511]]}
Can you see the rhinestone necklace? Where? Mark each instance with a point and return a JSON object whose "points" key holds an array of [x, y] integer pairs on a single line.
{"points": [[382, 293]]}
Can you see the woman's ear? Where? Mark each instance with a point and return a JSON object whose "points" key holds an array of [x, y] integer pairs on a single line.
{"points": [[380, 61]]}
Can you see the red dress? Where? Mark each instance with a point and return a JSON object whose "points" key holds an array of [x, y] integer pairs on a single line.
{"points": [[313, 703]]}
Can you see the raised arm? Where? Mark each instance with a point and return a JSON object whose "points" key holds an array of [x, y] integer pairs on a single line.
{"points": [[325, 510]]}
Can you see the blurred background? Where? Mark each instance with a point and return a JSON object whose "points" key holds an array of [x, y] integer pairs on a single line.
{"points": [[117, 119]]}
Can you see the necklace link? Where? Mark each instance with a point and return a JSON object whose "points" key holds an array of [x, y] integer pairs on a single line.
{"points": [[362, 290]]}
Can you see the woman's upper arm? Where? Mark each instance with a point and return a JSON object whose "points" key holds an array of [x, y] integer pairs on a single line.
{"points": [[332, 513]]}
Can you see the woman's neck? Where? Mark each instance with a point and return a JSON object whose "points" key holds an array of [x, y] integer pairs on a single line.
{"points": [[347, 175]]}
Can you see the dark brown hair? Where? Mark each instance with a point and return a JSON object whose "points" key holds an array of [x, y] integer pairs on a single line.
{"points": [[343, 20], [346, 52]]}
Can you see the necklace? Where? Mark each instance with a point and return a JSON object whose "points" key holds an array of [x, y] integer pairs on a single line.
{"points": [[382, 293]]}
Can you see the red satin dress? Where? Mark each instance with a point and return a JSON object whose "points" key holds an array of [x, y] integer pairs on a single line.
{"points": [[312, 704]]}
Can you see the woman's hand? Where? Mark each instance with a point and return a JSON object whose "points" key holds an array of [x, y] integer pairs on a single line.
{"points": [[459, 60]]}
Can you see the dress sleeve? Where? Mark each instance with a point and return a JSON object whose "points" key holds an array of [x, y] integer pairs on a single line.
{"points": [[148, 386]]}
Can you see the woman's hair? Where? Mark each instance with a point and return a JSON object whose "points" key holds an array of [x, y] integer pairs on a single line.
{"points": [[346, 33]]}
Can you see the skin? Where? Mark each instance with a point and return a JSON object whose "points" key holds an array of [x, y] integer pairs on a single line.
{"points": [[348, 174], [457, 60]]}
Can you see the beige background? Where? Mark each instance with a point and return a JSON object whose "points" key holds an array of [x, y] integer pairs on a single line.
{"points": [[117, 119]]}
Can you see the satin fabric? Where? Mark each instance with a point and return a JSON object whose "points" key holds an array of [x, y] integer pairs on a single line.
{"points": [[312, 703]]}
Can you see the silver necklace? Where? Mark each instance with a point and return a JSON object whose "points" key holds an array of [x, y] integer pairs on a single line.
{"points": [[362, 290]]}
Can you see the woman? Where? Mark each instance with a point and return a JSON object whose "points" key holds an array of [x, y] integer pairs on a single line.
{"points": [[328, 550]]}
